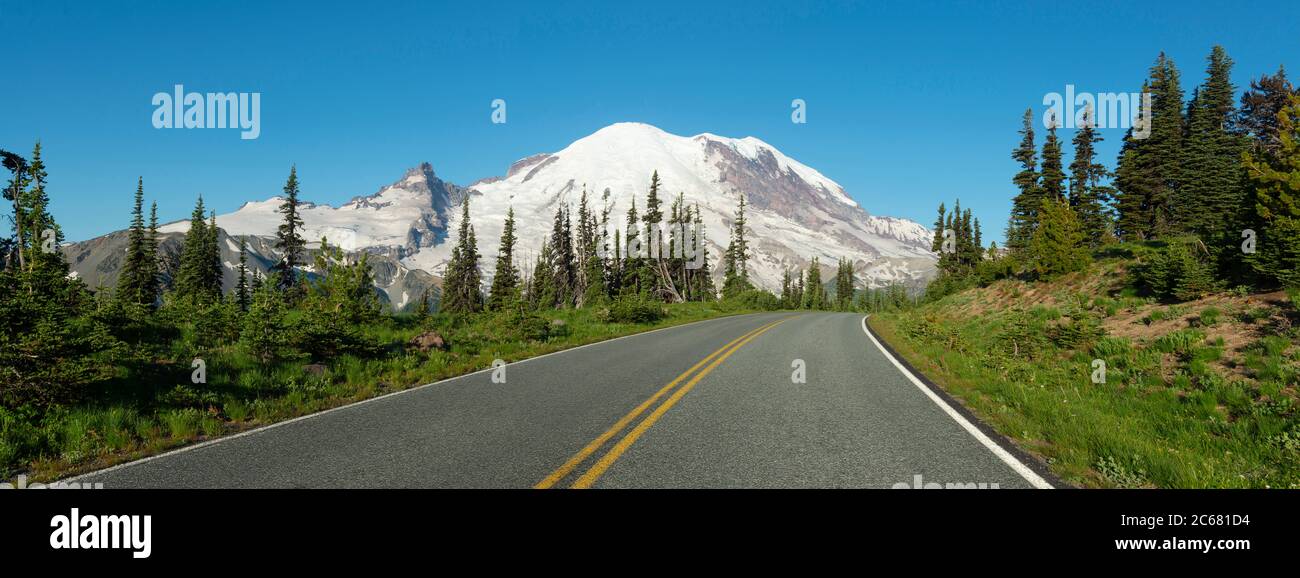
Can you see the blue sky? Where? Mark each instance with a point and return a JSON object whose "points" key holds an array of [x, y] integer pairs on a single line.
{"points": [[909, 103]]}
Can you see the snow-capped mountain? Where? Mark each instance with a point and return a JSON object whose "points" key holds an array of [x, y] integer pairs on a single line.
{"points": [[794, 212]]}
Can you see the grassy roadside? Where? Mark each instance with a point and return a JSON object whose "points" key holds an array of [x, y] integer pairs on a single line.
{"points": [[1196, 395], [141, 419]]}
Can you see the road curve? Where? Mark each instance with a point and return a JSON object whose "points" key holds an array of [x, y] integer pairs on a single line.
{"points": [[709, 404]]}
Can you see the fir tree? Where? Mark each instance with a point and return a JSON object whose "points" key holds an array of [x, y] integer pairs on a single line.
{"points": [[736, 274], [1275, 182], [1058, 245], [814, 293], [192, 278], [461, 292], [632, 246], [1258, 116], [152, 270], [505, 283], [288, 239], [1053, 177], [1212, 184], [1088, 196], [131, 281], [1024, 208], [242, 294], [1150, 169], [936, 245]]}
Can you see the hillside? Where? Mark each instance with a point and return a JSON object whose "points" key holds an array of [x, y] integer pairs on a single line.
{"points": [[1195, 394]]}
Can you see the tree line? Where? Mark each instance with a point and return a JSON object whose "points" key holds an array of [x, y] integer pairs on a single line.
{"points": [[1210, 184]]}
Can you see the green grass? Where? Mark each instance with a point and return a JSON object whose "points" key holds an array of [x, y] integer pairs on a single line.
{"points": [[1166, 416], [153, 407]]}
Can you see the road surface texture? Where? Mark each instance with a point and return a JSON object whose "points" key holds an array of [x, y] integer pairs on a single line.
{"points": [[709, 404]]}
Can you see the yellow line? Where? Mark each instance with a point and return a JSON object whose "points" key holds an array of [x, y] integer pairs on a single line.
{"points": [[615, 452], [591, 448]]}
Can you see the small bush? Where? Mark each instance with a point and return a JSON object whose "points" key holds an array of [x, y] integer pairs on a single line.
{"points": [[1180, 271], [631, 310]]}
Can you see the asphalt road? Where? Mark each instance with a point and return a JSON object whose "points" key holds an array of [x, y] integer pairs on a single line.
{"points": [[637, 412]]}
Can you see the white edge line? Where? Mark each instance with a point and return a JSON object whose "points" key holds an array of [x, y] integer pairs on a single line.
{"points": [[274, 425], [1025, 472]]}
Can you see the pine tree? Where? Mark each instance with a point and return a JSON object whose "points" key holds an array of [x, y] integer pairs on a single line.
{"points": [[1150, 169], [814, 293], [1053, 177], [1212, 185], [703, 288], [936, 245], [632, 245], [1276, 192], [844, 284], [1088, 197], [152, 281], [193, 275], [1058, 245], [131, 281], [1258, 116], [214, 270], [461, 292], [43, 234], [652, 217], [736, 274], [288, 239], [786, 288], [505, 283], [242, 294], [1024, 208]]}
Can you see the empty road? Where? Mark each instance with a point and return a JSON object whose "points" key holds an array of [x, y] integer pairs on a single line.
{"points": [[714, 404]]}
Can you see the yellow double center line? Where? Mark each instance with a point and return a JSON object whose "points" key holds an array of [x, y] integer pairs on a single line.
{"points": [[605, 461]]}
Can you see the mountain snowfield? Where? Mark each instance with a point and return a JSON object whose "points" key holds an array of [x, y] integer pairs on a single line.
{"points": [[794, 213]]}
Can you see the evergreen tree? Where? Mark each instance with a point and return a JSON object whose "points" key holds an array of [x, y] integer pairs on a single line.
{"points": [[937, 244], [632, 246], [44, 235], [736, 274], [1258, 116], [814, 293], [214, 271], [844, 284], [265, 332], [132, 279], [1212, 185], [541, 292], [1024, 208], [242, 295], [563, 261], [505, 284], [1058, 245], [152, 270], [702, 285], [288, 239], [1150, 169], [1053, 177], [461, 291], [193, 279], [786, 288], [1276, 192], [1088, 196]]}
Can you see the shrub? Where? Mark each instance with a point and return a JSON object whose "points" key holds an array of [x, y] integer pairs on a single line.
{"points": [[756, 299], [1179, 271], [631, 310]]}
